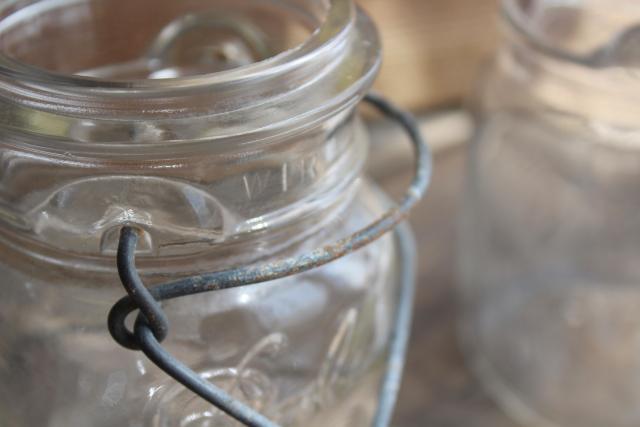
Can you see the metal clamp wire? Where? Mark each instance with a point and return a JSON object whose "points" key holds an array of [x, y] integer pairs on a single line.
{"points": [[151, 325]]}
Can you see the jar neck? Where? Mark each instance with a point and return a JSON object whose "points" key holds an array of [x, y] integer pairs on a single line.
{"points": [[580, 59], [261, 154]]}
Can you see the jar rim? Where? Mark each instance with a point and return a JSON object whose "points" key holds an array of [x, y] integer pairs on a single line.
{"points": [[609, 48], [327, 72], [335, 22], [555, 55]]}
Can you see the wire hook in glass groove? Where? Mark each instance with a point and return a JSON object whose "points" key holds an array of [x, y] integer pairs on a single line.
{"points": [[151, 326]]}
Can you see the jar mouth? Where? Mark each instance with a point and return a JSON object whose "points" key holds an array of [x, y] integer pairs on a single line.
{"points": [[336, 62], [578, 59], [589, 33], [338, 17]]}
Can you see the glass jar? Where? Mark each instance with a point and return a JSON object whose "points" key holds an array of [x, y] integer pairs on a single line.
{"points": [[550, 233], [225, 130]]}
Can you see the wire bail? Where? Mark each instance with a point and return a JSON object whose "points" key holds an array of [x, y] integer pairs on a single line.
{"points": [[152, 326]]}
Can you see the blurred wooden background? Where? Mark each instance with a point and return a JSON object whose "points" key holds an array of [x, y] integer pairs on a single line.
{"points": [[432, 48]]}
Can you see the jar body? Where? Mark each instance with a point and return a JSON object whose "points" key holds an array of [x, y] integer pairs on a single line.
{"points": [[549, 241], [301, 350], [227, 139]]}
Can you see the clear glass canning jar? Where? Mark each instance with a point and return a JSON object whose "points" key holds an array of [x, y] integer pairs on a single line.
{"points": [[550, 234], [226, 130]]}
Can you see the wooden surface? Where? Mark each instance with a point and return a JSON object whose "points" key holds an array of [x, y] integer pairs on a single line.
{"points": [[432, 49], [437, 389]]}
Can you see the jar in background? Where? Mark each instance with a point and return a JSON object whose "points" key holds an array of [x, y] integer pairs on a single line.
{"points": [[550, 236], [226, 131]]}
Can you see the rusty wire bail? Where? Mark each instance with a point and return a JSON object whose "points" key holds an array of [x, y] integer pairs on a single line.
{"points": [[152, 326]]}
